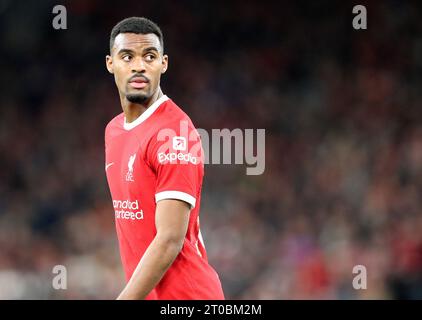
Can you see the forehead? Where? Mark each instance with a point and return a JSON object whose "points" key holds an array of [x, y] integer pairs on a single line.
{"points": [[136, 41]]}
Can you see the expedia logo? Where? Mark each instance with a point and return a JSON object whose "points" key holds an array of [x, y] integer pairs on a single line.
{"points": [[179, 143], [173, 157]]}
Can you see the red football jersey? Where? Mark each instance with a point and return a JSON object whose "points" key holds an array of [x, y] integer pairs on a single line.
{"points": [[159, 156]]}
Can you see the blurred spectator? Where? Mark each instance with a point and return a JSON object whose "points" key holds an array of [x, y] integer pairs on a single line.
{"points": [[343, 127]]}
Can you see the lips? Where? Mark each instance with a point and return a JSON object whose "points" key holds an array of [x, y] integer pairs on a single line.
{"points": [[138, 82]]}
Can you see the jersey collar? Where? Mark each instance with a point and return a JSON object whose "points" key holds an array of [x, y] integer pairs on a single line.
{"points": [[146, 114]]}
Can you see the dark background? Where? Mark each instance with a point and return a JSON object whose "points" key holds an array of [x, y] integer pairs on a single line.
{"points": [[342, 113]]}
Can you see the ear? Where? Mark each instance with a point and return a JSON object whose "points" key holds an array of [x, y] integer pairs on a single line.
{"points": [[165, 62], [109, 64]]}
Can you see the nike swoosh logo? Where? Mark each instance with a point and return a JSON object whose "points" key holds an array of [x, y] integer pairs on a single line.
{"points": [[108, 165]]}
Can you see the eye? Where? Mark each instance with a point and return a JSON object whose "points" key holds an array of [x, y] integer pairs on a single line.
{"points": [[149, 57], [126, 57]]}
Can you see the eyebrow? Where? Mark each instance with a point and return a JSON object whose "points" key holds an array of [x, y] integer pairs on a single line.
{"points": [[150, 49], [125, 50]]}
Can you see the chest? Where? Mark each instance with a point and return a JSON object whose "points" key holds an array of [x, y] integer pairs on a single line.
{"points": [[125, 165]]}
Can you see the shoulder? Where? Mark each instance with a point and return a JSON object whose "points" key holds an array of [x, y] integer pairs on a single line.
{"points": [[114, 125], [170, 123], [173, 117]]}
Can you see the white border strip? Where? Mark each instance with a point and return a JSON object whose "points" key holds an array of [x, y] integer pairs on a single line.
{"points": [[176, 195], [146, 114]]}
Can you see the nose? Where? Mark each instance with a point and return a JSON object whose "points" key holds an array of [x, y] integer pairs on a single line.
{"points": [[138, 65]]}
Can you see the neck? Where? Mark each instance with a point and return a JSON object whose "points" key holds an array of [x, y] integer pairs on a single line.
{"points": [[134, 110]]}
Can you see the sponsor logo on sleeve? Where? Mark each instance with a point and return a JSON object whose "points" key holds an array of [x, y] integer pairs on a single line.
{"points": [[179, 143], [173, 153]]}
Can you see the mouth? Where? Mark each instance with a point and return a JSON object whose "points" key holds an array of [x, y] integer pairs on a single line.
{"points": [[138, 82]]}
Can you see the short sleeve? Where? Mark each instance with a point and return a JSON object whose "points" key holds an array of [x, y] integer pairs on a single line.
{"points": [[175, 155]]}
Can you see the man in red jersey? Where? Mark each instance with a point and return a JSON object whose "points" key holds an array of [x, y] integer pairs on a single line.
{"points": [[154, 167]]}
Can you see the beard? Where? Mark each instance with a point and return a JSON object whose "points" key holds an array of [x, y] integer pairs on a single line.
{"points": [[137, 98]]}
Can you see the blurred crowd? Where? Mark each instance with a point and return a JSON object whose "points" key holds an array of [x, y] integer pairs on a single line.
{"points": [[341, 109]]}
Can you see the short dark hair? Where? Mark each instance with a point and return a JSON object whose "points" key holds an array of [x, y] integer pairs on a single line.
{"points": [[139, 25]]}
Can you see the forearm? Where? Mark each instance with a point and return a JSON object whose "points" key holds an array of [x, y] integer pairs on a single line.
{"points": [[151, 268]]}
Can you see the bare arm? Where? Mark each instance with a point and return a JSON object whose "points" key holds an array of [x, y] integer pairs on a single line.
{"points": [[171, 220]]}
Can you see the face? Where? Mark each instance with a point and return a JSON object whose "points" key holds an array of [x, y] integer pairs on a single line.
{"points": [[137, 62]]}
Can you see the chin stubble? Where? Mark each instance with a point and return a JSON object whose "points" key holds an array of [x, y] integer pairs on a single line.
{"points": [[136, 98]]}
